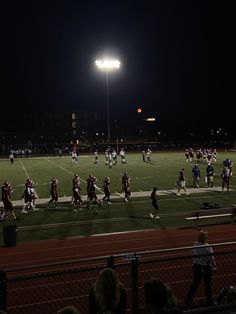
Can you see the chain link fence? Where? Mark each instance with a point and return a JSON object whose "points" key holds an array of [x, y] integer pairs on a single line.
{"points": [[48, 288]]}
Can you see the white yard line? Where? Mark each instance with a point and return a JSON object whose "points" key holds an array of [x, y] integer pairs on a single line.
{"points": [[55, 164], [27, 175]]}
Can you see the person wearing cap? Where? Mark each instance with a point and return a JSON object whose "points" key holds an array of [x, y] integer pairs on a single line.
{"points": [[196, 176], [154, 214], [203, 264], [210, 176]]}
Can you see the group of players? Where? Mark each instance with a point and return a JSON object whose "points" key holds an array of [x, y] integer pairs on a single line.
{"points": [[206, 155], [209, 174], [29, 195], [111, 156]]}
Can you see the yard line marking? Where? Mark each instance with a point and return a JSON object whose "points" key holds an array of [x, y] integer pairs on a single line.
{"points": [[27, 175], [99, 189], [63, 168]]}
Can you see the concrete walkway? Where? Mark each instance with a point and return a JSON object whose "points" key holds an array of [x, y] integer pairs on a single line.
{"points": [[133, 195]]}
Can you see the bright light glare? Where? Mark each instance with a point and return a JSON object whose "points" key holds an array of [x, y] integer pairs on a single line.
{"points": [[150, 119], [107, 64]]}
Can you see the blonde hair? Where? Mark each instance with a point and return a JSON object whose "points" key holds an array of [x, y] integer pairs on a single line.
{"points": [[69, 310], [107, 290], [202, 236]]}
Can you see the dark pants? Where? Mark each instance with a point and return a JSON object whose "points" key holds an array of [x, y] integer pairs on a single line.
{"points": [[199, 273]]}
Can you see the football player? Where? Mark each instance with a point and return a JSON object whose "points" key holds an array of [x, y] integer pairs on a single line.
{"points": [[106, 189], [6, 199], [125, 180], [53, 192]]}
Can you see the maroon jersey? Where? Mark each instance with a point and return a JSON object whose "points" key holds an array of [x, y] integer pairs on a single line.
{"points": [[125, 180], [181, 176], [6, 193], [106, 185], [53, 190], [6, 196]]}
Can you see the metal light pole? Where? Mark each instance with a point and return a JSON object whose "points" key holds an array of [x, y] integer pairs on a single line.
{"points": [[108, 110], [108, 65]]}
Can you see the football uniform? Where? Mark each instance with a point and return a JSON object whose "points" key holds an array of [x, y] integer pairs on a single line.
{"points": [[210, 176], [196, 176], [106, 189], [225, 178], [126, 185], [6, 197], [53, 192]]}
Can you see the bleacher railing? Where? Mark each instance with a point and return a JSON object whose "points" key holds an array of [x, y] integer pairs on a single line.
{"points": [[49, 287]]}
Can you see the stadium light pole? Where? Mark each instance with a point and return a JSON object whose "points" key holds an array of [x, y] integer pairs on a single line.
{"points": [[108, 65]]}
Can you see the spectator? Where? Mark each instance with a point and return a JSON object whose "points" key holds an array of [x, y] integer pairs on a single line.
{"points": [[203, 264], [69, 310], [227, 295], [159, 298], [108, 294]]}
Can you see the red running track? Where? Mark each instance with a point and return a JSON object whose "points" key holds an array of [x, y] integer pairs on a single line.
{"points": [[51, 251]]}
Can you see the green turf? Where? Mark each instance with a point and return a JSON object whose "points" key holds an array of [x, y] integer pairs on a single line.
{"points": [[62, 223]]}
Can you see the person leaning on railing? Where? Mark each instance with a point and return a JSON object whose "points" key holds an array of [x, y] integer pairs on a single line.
{"points": [[203, 264], [108, 295]]}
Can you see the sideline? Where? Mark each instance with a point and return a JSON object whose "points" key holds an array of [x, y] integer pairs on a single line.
{"points": [[139, 194]]}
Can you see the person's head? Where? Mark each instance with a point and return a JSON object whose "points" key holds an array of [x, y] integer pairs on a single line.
{"points": [[158, 295], [154, 189], [107, 289], [202, 236], [69, 310]]}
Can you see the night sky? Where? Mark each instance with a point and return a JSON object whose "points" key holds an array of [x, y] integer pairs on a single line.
{"points": [[172, 57]]}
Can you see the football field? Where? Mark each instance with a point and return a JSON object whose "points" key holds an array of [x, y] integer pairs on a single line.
{"points": [[119, 216]]}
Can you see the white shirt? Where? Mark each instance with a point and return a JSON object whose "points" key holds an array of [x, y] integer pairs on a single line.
{"points": [[200, 249]]}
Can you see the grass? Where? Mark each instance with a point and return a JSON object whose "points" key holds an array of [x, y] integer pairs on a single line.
{"points": [[119, 216]]}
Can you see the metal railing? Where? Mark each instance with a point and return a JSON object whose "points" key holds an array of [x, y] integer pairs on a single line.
{"points": [[49, 287]]}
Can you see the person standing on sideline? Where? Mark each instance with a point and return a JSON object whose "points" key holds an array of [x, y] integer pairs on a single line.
{"points": [[126, 185], [210, 176], [53, 192], [154, 214], [225, 178], [181, 183], [76, 199], [7, 203], [91, 192], [203, 264], [196, 176], [106, 189]]}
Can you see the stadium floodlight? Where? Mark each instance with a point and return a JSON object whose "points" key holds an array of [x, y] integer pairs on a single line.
{"points": [[108, 65]]}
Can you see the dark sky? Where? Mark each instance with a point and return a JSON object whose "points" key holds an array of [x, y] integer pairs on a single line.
{"points": [[172, 57]]}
